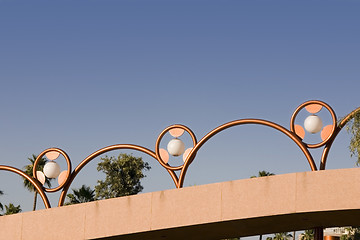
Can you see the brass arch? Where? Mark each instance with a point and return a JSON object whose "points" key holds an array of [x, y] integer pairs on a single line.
{"points": [[339, 127], [221, 128], [98, 153], [33, 181], [179, 179]]}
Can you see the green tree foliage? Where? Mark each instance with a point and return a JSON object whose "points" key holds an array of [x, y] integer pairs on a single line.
{"points": [[353, 233], [81, 195], [353, 127], [307, 235], [12, 209], [28, 169], [280, 236], [123, 175]]}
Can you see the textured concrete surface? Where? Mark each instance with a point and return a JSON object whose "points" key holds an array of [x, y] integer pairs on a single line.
{"points": [[237, 208]]}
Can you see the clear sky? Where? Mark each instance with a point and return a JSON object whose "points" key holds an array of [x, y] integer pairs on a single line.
{"points": [[81, 75]]}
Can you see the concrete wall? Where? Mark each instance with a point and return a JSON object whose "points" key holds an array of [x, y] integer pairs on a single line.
{"points": [[237, 208]]}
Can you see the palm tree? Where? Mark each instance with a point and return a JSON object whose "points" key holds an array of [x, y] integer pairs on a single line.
{"points": [[307, 235], [280, 236], [1, 206], [12, 209], [262, 174], [28, 169], [81, 195]]}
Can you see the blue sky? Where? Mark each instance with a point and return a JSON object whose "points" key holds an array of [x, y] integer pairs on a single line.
{"points": [[82, 75]]}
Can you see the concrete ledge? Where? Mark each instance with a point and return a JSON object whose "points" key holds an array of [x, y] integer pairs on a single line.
{"points": [[237, 208]]}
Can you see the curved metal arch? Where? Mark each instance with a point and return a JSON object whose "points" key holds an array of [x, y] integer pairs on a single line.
{"points": [[102, 151], [179, 180], [339, 127], [219, 129], [33, 181]]}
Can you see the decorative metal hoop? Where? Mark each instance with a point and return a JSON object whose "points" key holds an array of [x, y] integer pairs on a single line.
{"points": [[161, 135], [179, 180], [68, 162], [323, 104]]}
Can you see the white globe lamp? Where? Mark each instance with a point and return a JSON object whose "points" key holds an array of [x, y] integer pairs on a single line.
{"points": [[176, 147], [51, 169], [313, 124]]}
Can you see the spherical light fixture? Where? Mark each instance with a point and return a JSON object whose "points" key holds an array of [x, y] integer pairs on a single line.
{"points": [[313, 124], [176, 147], [51, 169]]}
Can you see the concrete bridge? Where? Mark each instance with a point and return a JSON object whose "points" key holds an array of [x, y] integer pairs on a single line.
{"points": [[246, 207]]}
